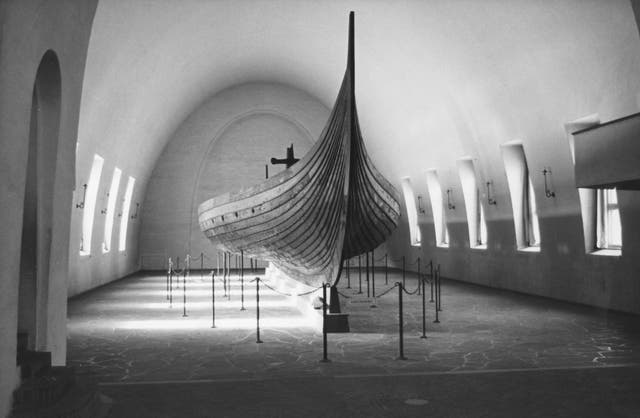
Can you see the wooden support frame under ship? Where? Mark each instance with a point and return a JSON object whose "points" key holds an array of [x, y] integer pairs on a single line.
{"points": [[308, 219]]}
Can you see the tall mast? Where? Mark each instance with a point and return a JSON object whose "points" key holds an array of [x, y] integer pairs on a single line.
{"points": [[351, 63]]}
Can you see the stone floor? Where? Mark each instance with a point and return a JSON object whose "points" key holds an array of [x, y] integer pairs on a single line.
{"points": [[494, 353]]}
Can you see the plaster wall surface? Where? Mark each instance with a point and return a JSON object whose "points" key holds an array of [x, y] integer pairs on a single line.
{"points": [[29, 30], [222, 147], [561, 270]]}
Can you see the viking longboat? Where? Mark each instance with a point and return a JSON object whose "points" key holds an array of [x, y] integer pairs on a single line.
{"points": [[330, 206]]}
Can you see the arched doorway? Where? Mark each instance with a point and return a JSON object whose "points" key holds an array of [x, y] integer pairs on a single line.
{"points": [[38, 205]]}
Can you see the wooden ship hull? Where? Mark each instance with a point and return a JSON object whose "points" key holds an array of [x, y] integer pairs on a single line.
{"points": [[330, 206]]}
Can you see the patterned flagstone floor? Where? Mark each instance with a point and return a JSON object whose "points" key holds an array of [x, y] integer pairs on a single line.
{"points": [[127, 337]]}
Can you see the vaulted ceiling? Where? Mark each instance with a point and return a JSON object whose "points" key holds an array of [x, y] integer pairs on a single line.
{"points": [[435, 80]]}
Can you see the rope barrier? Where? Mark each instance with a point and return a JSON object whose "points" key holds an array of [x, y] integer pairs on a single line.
{"points": [[386, 291], [311, 291], [411, 293], [343, 295], [276, 291]]}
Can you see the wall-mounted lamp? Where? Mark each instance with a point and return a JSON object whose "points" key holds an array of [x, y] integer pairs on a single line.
{"points": [[84, 195], [420, 208], [450, 204], [490, 200], [135, 215], [547, 191]]}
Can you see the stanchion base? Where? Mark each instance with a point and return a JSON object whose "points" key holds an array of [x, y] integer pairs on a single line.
{"points": [[373, 306], [423, 336], [436, 322], [213, 326], [259, 342], [243, 309], [401, 358], [325, 360], [184, 315], [358, 293]]}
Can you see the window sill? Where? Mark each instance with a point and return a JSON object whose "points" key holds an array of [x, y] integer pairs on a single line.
{"points": [[442, 245], [529, 249], [607, 252], [479, 247], [84, 254]]}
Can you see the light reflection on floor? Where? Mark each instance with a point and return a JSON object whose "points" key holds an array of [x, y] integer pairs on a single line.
{"points": [[126, 331]]}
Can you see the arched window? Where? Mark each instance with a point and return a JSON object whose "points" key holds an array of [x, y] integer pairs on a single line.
{"points": [[437, 206], [523, 198], [412, 215], [111, 208], [472, 202], [124, 219], [90, 204]]}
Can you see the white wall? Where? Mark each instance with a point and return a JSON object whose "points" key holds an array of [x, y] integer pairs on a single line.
{"points": [[29, 29], [221, 147]]}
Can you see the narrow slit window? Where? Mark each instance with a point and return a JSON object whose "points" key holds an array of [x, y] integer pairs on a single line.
{"points": [[523, 198], [482, 242], [473, 205], [124, 220], [111, 206], [412, 214], [437, 207], [609, 232], [90, 204], [533, 227]]}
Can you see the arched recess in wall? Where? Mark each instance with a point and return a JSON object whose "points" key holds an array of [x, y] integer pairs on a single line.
{"points": [[37, 220], [237, 154]]}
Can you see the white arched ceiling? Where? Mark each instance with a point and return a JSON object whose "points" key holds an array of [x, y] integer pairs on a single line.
{"points": [[435, 80]]}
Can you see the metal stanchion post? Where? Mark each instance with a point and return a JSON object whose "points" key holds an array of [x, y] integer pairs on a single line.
{"points": [[439, 303], [224, 272], [436, 274], [178, 268], [359, 274], [325, 359], [403, 271], [171, 288], [168, 272], [184, 293], [400, 322], [386, 269], [218, 261], [213, 300], [367, 267], [242, 280], [373, 275], [258, 340], [228, 276], [201, 265], [419, 278], [424, 311], [432, 280], [348, 274]]}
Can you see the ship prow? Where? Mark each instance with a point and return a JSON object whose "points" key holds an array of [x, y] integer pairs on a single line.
{"points": [[330, 206]]}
